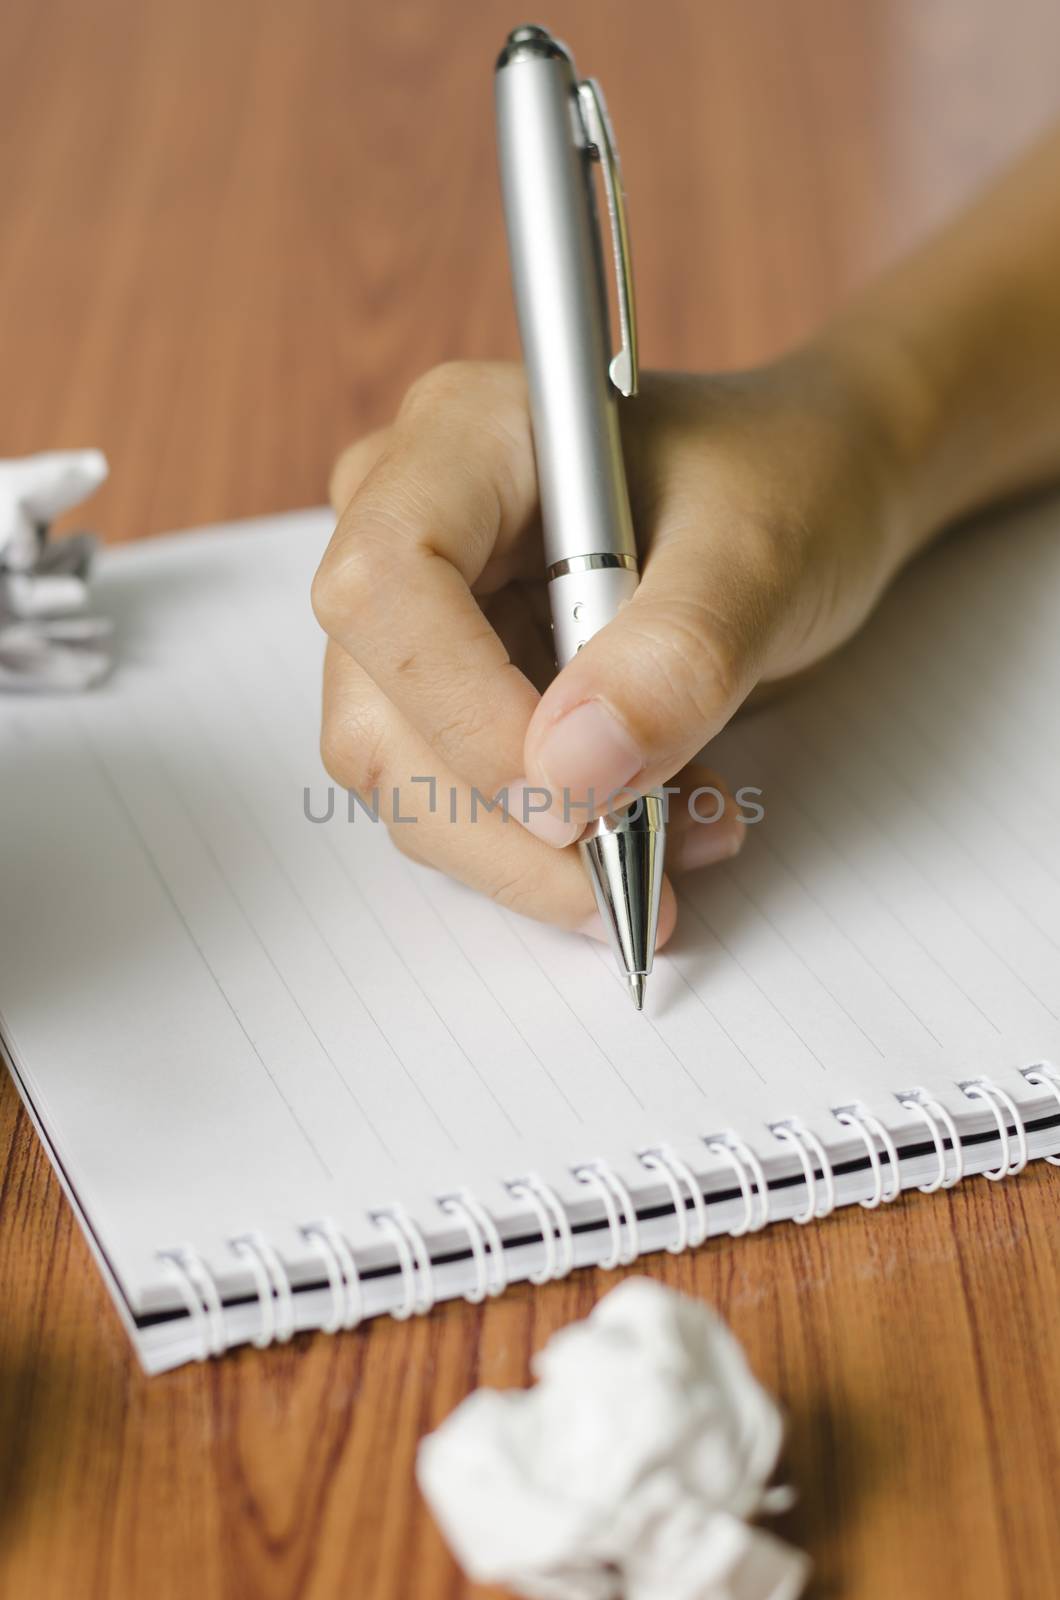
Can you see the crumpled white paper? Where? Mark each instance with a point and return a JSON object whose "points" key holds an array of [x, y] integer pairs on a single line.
{"points": [[47, 641], [627, 1471]]}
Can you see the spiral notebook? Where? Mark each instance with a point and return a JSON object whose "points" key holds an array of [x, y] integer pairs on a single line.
{"points": [[290, 1080]]}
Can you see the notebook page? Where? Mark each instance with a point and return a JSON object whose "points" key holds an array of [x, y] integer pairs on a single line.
{"points": [[232, 1018]]}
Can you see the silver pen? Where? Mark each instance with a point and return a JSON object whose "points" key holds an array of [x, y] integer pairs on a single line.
{"points": [[551, 128]]}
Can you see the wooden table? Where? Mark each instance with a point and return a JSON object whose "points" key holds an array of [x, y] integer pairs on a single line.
{"points": [[231, 234]]}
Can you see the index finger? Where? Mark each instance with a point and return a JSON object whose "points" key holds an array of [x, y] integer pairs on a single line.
{"points": [[446, 505]]}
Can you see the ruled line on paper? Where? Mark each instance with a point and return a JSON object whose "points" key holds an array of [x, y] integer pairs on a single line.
{"points": [[365, 1007], [956, 641], [919, 804], [765, 840], [911, 725], [940, 666], [400, 955], [785, 862], [283, 752], [178, 789], [604, 956], [686, 900], [565, 1003], [832, 783], [495, 998], [348, 978], [148, 855], [815, 977], [221, 689]]}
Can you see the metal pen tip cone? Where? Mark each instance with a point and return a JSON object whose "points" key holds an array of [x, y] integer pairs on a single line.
{"points": [[624, 855]]}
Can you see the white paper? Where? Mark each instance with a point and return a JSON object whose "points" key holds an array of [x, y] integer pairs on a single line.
{"points": [[231, 1018], [628, 1472]]}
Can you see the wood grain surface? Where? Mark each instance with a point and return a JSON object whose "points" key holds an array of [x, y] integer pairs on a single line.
{"points": [[230, 234]]}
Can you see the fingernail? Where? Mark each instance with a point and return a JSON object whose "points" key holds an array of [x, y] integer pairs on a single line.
{"points": [[593, 928], [549, 826], [588, 750], [704, 843]]}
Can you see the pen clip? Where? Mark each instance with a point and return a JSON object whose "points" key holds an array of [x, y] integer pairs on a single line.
{"points": [[602, 148]]}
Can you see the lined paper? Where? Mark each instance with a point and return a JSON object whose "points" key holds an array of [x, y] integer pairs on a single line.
{"points": [[230, 1017]]}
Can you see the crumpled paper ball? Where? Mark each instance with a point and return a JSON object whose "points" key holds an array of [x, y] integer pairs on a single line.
{"points": [[47, 641], [627, 1472]]}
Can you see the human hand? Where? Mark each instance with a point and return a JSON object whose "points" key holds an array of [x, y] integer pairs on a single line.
{"points": [[767, 526]]}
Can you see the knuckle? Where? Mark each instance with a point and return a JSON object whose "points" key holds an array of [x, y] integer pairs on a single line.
{"points": [[346, 475], [354, 753], [322, 596], [492, 387], [450, 380], [345, 581]]}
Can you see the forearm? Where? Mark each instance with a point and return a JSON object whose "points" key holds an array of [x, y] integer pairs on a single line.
{"points": [[958, 349]]}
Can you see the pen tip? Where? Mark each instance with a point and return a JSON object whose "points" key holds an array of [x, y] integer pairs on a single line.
{"points": [[636, 989]]}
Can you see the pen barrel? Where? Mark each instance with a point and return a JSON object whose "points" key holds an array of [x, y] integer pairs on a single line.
{"points": [[584, 600], [561, 300]]}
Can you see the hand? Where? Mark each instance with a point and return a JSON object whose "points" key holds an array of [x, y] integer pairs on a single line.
{"points": [[767, 527]]}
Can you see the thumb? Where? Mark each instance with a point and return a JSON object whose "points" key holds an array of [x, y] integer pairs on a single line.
{"points": [[642, 697]]}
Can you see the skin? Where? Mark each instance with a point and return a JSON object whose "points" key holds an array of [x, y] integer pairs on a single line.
{"points": [[773, 507]]}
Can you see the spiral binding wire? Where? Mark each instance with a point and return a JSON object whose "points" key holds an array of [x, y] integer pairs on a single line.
{"points": [[201, 1298], [674, 1172], [201, 1295], [486, 1248], [414, 1259], [556, 1233], [1003, 1106], [273, 1286], [619, 1210], [1044, 1079], [347, 1293], [809, 1148], [871, 1128], [934, 1113], [751, 1177]]}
